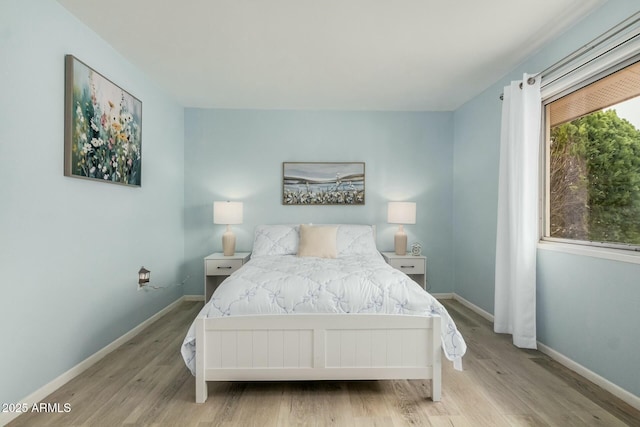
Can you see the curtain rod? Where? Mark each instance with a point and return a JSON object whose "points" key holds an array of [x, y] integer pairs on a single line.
{"points": [[584, 49]]}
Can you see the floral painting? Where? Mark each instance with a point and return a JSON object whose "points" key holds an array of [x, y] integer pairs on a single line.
{"points": [[323, 183], [103, 127]]}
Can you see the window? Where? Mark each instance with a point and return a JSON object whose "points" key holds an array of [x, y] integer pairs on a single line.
{"points": [[593, 161]]}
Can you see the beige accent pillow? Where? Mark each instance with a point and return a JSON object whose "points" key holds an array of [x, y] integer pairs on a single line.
{"points": [[317, 241]]}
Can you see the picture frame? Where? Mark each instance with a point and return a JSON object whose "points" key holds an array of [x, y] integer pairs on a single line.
{"points": [[102, 128], [323, 183]]}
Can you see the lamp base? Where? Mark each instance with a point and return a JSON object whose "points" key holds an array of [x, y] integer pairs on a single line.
{"points": [[400, 241], [228, 242]]}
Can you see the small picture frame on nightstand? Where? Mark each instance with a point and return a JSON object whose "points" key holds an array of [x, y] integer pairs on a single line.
{"points": [[416, 249]]}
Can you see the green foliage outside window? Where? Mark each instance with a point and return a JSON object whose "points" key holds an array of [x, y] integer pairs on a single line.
{"points": [[595, 179]]}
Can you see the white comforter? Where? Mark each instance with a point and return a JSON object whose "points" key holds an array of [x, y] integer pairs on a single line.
{"points": [[355, 284]]}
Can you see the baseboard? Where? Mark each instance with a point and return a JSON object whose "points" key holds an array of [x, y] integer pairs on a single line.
{"points": [[193, 298], [617, 391], [471, 306], [468, 304], [443, 295], [612, 388], [47, 389]]}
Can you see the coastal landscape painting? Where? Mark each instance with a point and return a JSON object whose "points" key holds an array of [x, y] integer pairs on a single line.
{"points": [[314, 183]]}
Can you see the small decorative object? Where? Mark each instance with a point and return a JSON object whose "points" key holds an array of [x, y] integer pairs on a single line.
{"points": [[323, 183], [102, 128], [228, 213], [416, 249], [401, 213], [143, 276]]}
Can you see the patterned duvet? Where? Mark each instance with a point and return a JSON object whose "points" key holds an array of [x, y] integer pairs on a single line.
{"points": [[364, 283]]}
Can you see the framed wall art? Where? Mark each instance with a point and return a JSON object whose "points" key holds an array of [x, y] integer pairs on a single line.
{"points": [[103, 127], [317, 183]]}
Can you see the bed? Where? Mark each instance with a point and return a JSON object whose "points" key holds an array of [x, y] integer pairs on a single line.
{"points": [[320, 303]]}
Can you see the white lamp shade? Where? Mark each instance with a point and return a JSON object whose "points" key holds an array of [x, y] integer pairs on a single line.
{"points": [[401, 213], [227, 213]]}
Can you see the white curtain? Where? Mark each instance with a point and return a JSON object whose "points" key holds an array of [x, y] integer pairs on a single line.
{"points": [[517, 236]]}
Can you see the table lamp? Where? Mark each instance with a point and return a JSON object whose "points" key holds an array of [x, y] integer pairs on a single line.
{"points": [[401, 213], [228, 213]]}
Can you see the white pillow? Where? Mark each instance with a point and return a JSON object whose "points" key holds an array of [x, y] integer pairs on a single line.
{"points": [[317, 241], [275, 240], [353, 239], [283, 239]]}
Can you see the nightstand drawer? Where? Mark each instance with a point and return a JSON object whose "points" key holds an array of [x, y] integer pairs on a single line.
{"points": [[408, 265], [221, 267]]}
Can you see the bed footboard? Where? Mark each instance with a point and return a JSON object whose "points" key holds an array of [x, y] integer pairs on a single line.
{"points": [[317, 347]]}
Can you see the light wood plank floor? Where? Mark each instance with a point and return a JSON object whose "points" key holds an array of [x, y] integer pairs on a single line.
{"points": [[145, 382]]}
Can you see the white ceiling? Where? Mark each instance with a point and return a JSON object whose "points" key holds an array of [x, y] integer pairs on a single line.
{"points": [[429, 55]]}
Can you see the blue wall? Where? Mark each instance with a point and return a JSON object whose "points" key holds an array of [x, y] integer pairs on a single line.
{"points": [[238, 155], [587, 308], [70, 249]]}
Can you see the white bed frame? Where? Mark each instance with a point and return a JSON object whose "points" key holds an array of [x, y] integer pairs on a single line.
{"points": [[318, 347]]}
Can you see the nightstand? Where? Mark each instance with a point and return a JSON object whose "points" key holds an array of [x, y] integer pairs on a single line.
{"points": [[218, 267], [413, 266]]}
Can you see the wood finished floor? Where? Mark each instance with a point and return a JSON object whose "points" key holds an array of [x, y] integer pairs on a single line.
{"points": [[145, 383]]}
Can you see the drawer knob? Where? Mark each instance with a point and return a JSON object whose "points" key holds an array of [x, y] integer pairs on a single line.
{"points": [[224, 267], [407, 266]]}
